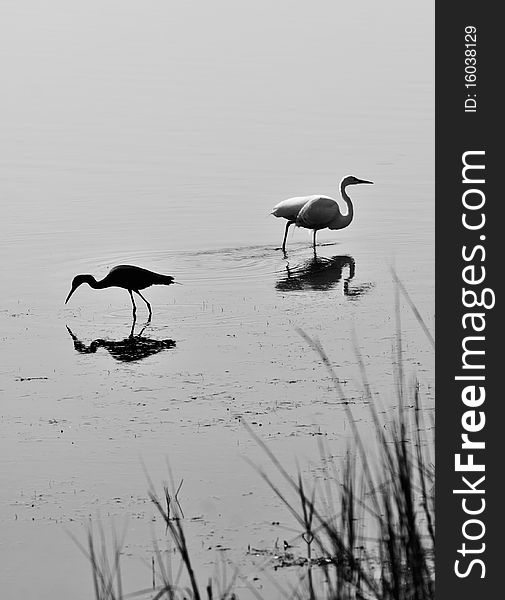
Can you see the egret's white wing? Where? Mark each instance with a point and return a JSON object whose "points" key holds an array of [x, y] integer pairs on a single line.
{"points": [[290, 208], [318, 213]]}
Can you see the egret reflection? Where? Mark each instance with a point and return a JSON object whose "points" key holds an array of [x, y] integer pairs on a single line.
{"points": [[321, 273], [132, 348]]}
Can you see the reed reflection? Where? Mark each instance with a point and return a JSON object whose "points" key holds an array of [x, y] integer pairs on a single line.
{"points": [[321, 274], [132, 348]]}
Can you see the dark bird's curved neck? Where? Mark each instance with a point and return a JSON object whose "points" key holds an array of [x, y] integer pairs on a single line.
{"points": [[350, 208], [97, 285]]}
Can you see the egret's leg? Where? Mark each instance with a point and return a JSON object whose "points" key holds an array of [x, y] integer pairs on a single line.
{"points": [[352, 267], [148, 305], [286, 235], [133, 304]]}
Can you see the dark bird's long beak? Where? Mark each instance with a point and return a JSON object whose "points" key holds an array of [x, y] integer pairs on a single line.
{"points": [[177, 282], [364, 181], [70, 332], [70, 293]]}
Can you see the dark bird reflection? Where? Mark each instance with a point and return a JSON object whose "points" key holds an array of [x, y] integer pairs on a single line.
{"points": [[321, 273], [132, 348]]}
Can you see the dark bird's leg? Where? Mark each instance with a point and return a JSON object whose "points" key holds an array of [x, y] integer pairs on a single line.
{"points": [[286, 235], [134, 307], [314, 242], [148, 305], [139, 335], [133, 327]]}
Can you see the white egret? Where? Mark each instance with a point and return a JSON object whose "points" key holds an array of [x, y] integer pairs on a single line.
{"points": [[317, 212]]}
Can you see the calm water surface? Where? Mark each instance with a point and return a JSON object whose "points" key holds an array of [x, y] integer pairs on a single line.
{"points": [[161, 134]]}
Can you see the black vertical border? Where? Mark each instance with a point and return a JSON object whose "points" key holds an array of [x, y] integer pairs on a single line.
{"points": [[455, 133]]}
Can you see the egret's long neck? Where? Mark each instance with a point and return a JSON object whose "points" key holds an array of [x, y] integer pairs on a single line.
{"points": [[346, 219]]}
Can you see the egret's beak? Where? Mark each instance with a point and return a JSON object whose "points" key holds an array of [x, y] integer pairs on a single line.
{"points": [[70, 293], [364, 181]]}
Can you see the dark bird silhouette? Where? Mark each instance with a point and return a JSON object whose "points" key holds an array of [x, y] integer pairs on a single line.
{"points": [[127, 277], [132, 348], [317, 212]]}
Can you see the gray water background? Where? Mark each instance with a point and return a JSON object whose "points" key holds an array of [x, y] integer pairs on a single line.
{"points": [[161, 134]]}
